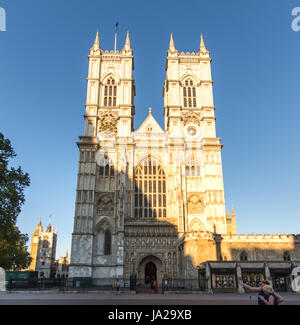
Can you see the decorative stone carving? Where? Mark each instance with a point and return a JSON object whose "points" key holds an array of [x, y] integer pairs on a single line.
{"points": [[108, 121], [195, 204], [196, 226], [105, 206], [191, 117]]}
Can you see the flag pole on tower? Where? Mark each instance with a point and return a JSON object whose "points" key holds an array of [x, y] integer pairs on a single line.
{"points": [[116, 27]]}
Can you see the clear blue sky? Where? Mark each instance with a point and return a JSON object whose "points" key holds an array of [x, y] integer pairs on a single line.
{"points": [[256, 69]]}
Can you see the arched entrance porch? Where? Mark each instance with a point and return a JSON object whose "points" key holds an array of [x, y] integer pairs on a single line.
{"points": [[150, 268]]}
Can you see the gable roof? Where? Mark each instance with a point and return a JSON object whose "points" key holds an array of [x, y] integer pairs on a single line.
{"points": [[149, 125]]}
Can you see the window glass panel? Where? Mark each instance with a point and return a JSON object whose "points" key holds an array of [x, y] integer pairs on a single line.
{"points": [[107, 243], [110, 93], [101, 170], [151, 180]]}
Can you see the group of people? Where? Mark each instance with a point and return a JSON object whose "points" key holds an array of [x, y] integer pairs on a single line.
{"points": [[266, 294]]}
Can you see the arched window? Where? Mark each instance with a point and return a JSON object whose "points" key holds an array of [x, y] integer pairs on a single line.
{"points": [[106, 168], [189, 94], [192, 168], [107, 242], [45, 243], [286, 256], [150, 190], [110, 92], [103, 240], [244, 256]]}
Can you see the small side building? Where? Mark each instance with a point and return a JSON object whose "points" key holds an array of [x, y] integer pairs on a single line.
{"points": [[62, 266]]}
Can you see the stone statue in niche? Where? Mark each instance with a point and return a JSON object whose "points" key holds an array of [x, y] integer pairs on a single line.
{"points": [[105, 206]]}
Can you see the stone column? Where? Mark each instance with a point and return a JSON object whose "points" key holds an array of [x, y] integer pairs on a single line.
{"points": [[239, 277], [267, 273]]}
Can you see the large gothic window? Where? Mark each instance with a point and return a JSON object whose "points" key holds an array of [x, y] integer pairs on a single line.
{"points": [[189, 93], [150, 190], [45, 242], [107, 242], [110, 92]]}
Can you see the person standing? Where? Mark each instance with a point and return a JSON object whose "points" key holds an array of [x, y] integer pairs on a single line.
{"points": [[155, 287], [263, 296], [118, 285], [270, 297]]}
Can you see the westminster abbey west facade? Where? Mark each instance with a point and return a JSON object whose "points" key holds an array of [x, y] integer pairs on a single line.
{"points": [[150, 202]]}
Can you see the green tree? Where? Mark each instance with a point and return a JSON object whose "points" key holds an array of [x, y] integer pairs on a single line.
{"points": [[13, 250]]}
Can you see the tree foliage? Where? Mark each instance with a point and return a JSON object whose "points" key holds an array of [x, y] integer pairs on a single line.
{"points": [[13, 252]]}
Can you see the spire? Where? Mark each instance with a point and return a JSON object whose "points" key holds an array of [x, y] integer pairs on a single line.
{"points": [[150, 110], [127, 46], [203, 49], [172, 48], [171, 41], [39, 227], [232, 212], [202, 45], [96, 45]]}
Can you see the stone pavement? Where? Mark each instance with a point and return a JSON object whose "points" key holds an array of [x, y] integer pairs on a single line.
{"points": [[110, 298]]}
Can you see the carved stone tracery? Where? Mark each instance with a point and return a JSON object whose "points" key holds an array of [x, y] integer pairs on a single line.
{"points": [[195, 204], [108, 121], [191, 117], [105, 205]]}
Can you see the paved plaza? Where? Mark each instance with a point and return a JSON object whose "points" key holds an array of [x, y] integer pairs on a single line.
{"points": [[111, 298]]}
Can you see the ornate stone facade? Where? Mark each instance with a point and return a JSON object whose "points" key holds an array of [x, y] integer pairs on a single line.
{"points": [[151, 202]]}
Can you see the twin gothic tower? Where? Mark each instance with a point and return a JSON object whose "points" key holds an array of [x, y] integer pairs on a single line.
{"points": [[149, 202]]}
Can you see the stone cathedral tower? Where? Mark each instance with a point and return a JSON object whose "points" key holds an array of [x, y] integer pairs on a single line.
{"points": [[42, 252], [149, 202], [98, 235]]}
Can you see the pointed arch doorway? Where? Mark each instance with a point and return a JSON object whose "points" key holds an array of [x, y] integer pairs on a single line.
{"points": [[149, 267], [150, 272]]}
